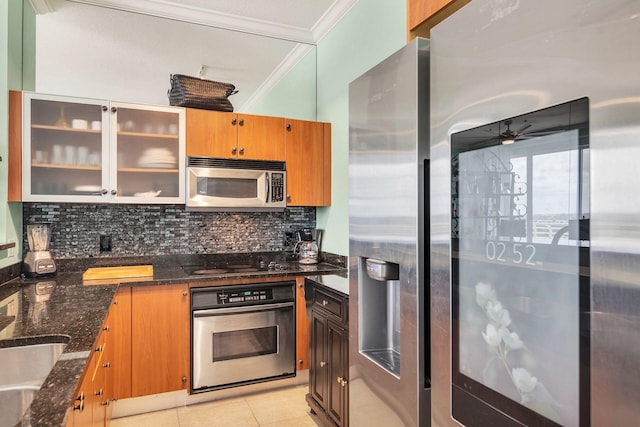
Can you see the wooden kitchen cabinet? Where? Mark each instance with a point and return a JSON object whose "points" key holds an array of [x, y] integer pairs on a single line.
{"points": [[328, 393], [159, 339], [302, 326], [95, 151], [118, 338], [422, 15], [91, 401], [308, 157], [234, 136]]}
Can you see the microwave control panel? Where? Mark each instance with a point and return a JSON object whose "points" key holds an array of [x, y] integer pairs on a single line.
{"points": [[277, 187]]}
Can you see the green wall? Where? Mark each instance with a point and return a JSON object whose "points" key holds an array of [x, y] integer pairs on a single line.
{"points": [[370, 32], [294, 96], [17, 71]]}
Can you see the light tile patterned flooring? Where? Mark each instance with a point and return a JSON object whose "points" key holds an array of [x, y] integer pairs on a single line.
{"points": [[280, 408]]}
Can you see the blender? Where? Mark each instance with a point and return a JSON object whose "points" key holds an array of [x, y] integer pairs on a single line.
{"points": [[38, 261], [308, 245]]}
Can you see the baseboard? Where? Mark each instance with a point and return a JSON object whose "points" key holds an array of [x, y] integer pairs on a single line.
{"points": [[176, 399]]}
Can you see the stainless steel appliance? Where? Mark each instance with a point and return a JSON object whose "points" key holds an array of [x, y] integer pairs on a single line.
{"points": [[308, 245], [388, 168], [242, 334], [535, 232], [215, 184], [38, 261]]}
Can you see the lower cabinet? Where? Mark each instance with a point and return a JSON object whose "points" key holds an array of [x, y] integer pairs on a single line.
{"points": [[159, 339], [302, 327], [329, 357], [91, 400]]}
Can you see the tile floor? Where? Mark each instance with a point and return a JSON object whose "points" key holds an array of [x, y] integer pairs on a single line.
{"points": [[279, 408]]}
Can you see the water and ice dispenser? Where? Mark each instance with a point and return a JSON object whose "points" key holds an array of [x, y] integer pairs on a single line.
{"points": [[379, 314]]}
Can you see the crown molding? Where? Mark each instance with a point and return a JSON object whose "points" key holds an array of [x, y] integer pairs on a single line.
{"points": [[41, 7], [207, 17], [290, 61], [195, 15], [331, 17]]}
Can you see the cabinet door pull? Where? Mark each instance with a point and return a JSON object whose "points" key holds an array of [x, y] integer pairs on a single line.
{"points": [[234, 150], [241, 150], [114, 192], [105, 108], [106, 328], [325, 302], [241, 122], [289, 127], [184, 380], [104, 191], [234, 121], [323, 363], [343, 383], [114, 109], [339, 380], [184, 293]]}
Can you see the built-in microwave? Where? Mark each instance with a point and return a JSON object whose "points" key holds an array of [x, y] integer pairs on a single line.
{"points": [[215, 184]]}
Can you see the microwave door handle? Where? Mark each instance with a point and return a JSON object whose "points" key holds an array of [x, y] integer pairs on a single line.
{"points": [[267, 185]]}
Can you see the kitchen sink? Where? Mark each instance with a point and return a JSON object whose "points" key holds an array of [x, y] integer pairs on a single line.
{"points": [[23, 369]]}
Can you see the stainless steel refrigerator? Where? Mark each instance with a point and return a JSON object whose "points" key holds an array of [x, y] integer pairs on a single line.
{"points": [[388, 162], [535, 214]]}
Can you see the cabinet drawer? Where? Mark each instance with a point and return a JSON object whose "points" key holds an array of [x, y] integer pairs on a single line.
{"points": [[329, 302]]}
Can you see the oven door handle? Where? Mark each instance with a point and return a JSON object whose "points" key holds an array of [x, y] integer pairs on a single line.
{"points": [[243, 309]]}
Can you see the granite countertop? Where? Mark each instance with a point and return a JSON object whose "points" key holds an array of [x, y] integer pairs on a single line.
{"points": [[64, 309], [337, 282]]}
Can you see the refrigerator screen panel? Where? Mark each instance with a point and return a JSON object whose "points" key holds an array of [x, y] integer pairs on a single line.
{"points": [[520, 258]]}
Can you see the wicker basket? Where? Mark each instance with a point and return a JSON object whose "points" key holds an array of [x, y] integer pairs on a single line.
{"points": [[193, 92]]}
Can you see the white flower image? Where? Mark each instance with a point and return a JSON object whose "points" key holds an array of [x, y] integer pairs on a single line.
{"points": [[523, 380], [492, 337], [484, 294], [499, 315], [501, 341], [511, 339]]}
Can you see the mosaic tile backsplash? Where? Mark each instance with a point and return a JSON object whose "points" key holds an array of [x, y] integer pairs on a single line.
{"points": [[163, 229]]}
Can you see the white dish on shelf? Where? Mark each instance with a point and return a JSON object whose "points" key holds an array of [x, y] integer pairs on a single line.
{"points": [[87, 188], [159, 165], [79, 124], [148, 194]]}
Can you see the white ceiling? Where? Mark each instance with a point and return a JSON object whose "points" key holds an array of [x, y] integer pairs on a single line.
{"points": [[305, 21], [283, 32]]}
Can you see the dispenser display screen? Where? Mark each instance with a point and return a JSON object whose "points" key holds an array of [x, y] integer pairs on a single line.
{"points": [[520, 259]]}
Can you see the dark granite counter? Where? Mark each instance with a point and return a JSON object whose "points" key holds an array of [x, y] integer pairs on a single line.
{"points": [[337, 282], [64, 309]]}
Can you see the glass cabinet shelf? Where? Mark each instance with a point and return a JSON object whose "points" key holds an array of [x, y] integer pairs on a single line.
{"points": [[122, 152]]}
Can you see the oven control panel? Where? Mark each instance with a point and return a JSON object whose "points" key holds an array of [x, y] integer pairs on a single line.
{"points": [[246, 295]]}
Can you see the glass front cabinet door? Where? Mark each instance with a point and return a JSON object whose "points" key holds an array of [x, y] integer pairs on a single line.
{"points": [[97, 151]]}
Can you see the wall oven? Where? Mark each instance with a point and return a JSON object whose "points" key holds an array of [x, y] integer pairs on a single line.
{"points": [[215, 184], [242, 334]]}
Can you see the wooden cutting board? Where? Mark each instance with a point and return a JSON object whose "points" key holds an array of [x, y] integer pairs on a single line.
{"points": [[118, 272]]}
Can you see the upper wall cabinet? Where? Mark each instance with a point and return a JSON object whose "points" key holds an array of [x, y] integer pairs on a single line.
{"points": [[96, 151], [308, 157], [422, 15], [234, 136]]}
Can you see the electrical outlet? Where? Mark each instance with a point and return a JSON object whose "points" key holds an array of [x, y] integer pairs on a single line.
{"points": [[12, 251], [105, 243]]}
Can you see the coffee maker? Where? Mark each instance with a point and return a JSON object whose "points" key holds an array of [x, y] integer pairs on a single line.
{"points": [[308, 245], [38, 261]]}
